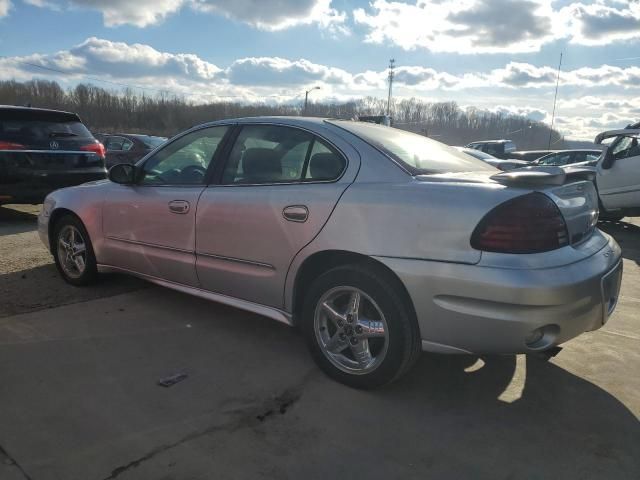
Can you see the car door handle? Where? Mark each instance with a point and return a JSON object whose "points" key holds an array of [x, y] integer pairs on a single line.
{"points": [[179, 206], [296, 213]]}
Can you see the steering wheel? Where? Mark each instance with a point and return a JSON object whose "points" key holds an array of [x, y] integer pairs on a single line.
{"points": [[194, 170]]}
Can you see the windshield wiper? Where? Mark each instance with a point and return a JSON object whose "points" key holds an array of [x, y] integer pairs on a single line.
{"points": [[62, 134]]}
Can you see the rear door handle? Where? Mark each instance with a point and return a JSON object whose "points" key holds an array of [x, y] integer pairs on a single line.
{"points": [[296, 213], [179, 206]]}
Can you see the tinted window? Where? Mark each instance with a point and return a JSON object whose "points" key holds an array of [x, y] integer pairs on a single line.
{"points": [[126, 144], [417, 153], [152, 142], [37, 130], [268, 154], [324, 163], [114, 143], [184, 161]]}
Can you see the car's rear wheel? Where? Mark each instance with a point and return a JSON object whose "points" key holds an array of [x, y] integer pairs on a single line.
{"points": [[358, 327], [73, 252]]}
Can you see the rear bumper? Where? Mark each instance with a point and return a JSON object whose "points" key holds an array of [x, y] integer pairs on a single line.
{"points": [[476, 309]]}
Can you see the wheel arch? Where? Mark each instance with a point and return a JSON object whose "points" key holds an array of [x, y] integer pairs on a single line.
{"points": [[54, 217], [320, 262]]}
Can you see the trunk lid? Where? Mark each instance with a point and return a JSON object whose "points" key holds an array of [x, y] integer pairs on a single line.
{"points": [[572, 190]]}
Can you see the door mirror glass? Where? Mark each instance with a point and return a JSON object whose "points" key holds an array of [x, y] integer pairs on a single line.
{"points": [[123, 173]]}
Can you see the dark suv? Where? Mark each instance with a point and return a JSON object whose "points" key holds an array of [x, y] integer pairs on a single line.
{"points": [[43, 150]]}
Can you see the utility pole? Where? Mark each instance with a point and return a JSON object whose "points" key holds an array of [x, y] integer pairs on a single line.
{"points": [[555, 97], [392, 66]]}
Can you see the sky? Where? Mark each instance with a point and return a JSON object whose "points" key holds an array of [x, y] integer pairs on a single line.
{"points": [[497, 55]]}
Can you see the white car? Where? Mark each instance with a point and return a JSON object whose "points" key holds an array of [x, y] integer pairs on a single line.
{"points": [[618, 173]]}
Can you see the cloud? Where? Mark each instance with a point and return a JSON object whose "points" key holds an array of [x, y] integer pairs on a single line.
{"points": [[532, 113], [270, 71], [496, 26], [276, 14], [264, 14], [5, 6]]}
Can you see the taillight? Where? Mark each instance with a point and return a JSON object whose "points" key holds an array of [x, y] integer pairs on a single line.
{"points": [[96, 148], [11, 146], [528, 224]]}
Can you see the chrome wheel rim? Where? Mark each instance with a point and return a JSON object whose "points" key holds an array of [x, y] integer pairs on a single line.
{"points": [[351, 330], [72, 251]]}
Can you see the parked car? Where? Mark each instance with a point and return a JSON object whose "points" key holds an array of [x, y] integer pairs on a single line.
{"points": [[377, 243], [127, 147], [43, 150], [530, 155], [570, 157], [618, 173], [497, 148], [493, 161]]}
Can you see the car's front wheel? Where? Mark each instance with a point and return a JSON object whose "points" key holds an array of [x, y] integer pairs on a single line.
{"points": [[358, 327], [73, 252]]}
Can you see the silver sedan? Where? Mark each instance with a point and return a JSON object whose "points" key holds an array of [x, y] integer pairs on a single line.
{"points": [[377, 243]]}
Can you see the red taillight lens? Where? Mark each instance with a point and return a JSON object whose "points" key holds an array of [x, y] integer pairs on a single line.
{"points": [[97, 148], [528, 224], [11, 146]]}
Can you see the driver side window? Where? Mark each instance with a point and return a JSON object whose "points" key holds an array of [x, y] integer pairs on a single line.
{"points": [[626, 147], [184, 161]]}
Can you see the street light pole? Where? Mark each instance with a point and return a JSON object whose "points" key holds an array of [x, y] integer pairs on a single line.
{"points": [[306, 97]]}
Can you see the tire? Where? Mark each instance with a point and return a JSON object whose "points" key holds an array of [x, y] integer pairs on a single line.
{"points": [[71, 252], [383, 319]]}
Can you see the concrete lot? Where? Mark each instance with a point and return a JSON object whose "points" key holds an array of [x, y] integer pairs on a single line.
{"points": [[79, 400]]}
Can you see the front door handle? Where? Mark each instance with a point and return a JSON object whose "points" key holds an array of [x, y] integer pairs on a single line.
{"points": [[179, 206], [296, 213]]}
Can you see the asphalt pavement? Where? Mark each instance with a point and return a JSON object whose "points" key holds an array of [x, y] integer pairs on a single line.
{"points": [[79, 393]]}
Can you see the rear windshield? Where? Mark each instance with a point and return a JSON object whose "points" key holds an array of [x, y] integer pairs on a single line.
{"points": [[418, 154], [152, 142], [42, 130]]}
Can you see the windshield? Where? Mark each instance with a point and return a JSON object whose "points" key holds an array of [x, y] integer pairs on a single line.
{"points": [[418, 154], [477, 154]]}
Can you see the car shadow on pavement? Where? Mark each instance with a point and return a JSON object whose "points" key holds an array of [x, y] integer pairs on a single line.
{"points": [[13, 221], [627, 235], [42, 287], [502, 417]]}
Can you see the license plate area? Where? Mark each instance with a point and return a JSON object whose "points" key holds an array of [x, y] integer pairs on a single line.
{"points": [[611, 290]]}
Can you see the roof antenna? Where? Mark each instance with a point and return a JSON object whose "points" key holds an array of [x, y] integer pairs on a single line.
{"points": [[555, 97]]}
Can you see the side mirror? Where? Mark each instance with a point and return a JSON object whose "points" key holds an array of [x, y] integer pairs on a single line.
{"points": [[608, 160], [122, 173]]}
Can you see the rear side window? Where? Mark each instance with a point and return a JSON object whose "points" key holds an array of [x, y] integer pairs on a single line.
{"points": [[418, 154], [267, 154]]}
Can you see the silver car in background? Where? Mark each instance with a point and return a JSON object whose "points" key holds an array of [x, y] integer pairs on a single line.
{"points": [[375, 242]]}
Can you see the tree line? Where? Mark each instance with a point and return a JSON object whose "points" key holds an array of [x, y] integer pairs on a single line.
{"points": [[165, 114]]}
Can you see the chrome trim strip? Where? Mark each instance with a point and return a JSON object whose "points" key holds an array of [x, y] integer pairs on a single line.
{"points": [[145, 244], [236, 260], [270, 312]]}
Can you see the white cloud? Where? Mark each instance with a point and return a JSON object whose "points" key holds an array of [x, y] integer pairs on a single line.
{"points": [[5, 6], [264, 14], [496, 26]]}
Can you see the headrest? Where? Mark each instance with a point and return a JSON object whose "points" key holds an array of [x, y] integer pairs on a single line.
{"points": [[260, 164], [325, 166]]}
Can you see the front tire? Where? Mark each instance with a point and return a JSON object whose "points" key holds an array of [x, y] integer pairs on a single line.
{"points": [[73, 252], [358, 328]]}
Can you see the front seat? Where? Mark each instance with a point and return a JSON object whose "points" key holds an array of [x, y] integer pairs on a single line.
{"points": [[261, 165]]}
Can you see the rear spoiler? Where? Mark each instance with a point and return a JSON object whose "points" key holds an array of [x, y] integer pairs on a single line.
{"points": [[627, 132], [541, 175]]}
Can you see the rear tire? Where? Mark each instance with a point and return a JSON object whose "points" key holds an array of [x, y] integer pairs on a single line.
{"points": [[363, 343], [73, 252]]}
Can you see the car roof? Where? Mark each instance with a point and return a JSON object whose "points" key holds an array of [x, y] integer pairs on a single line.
{"points": [[16, 108]]}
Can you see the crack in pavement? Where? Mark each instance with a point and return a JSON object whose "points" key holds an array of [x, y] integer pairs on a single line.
{"points": [[244, 417], [12, 461]]}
